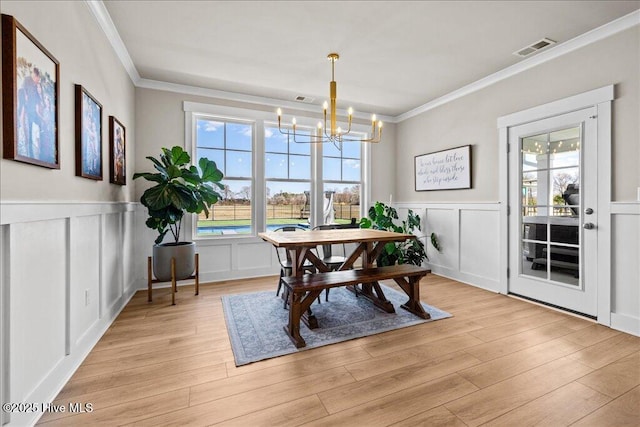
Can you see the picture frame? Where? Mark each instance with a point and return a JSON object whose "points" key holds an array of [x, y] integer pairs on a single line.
{"points": [[117, 152], [88, 135], [443, 170], [30, 98]]}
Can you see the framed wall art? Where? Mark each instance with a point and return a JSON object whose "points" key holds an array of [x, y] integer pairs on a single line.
{"points": [[88, 135], [30, 98], [444, 170], [117, 141]]}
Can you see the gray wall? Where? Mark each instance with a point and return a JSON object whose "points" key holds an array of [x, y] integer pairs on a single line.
{"points": [[472, 119], [69, 31], [160, 123]]}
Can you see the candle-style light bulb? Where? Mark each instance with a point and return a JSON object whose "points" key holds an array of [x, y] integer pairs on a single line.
{"points": [[325, 106], [339, 130], [373, 118], [279, 112], [293, 121], [319, 125], [350, 112]]}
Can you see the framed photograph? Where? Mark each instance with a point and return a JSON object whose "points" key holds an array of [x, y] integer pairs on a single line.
{"points": [[117, 140], [30, 98], [88, 135], [444, 170]]}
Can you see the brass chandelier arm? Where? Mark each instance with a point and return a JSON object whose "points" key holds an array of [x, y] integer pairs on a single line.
{"points": [[333, 133]]}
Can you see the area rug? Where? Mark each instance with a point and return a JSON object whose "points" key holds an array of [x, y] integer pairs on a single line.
{"points": [[255, 322]]}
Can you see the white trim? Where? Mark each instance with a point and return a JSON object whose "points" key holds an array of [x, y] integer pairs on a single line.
{"points": [[483, 206], [561, 106], [604, 131], [600, 98], [101, 14], [597, 34], [104, 19], [625, 208], [626, 323], [12, 212]]}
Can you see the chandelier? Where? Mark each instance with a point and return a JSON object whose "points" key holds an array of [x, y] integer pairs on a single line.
{"points": [[332, 132]]}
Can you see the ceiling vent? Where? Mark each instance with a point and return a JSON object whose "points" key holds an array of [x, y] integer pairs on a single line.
{"points": [[534, 47], [305, 99]]}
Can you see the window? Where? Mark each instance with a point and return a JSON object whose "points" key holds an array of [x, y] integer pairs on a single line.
{"points": [[230, 145], [288, 179], [342, 177], [270, 180]]}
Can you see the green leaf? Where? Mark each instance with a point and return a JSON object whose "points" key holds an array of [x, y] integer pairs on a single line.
{"points": [[210, 172], [174, 172], [179, 157]]}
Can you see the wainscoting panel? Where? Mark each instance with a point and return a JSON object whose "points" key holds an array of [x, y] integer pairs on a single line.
{"points": [[468, 234], [253, 256], [38, 304], [625, 267], [84, 255], [479, 243], [61, 264]]}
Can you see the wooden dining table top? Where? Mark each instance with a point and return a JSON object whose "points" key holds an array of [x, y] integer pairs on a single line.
{"points": [[334, 236]]}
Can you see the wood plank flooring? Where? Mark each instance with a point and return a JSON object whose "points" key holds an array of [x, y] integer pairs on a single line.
{"points": [[499, 361]]}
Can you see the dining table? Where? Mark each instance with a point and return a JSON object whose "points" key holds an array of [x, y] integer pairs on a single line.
{"points": [[367, 245]]}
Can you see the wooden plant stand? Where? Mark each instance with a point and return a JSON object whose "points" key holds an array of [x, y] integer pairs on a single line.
{"points": [[174, 286]]}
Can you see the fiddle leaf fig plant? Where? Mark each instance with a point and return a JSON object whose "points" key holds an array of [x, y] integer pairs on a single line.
{"points": [[383, 217], [179, 187]]}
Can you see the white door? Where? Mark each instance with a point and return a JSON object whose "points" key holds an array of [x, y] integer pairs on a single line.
{"points": [[553, 216]]}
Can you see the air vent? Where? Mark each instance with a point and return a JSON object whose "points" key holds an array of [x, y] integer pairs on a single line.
{"points": [[534, 47], [305, 99]]}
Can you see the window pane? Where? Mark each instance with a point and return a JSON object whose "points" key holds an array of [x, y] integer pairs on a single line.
{"points": [[209, 133], [350, 170], [299, 167], [331, 169], [299, 148], [239, 136], [346, 201], [275, 165], [211, 154], [330, 150], [232, 214], [351, 149], [287, 203], [274, 141], [238, 164]]}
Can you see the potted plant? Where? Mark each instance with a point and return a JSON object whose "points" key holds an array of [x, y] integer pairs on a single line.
{"points": [[382, 217], [179, 187]]}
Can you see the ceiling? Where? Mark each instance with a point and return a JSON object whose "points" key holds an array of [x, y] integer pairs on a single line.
{"points": [[394, 55]]}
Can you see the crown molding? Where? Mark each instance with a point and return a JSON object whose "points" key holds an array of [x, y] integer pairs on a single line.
{"points": [[249, 99], [104, 19], [101, 14], [602, 32]]}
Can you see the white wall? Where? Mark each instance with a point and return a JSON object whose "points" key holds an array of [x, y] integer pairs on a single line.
{"points": [[63, 235]]}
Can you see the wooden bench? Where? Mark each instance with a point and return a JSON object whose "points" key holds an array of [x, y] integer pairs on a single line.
{"points": [[305, 289]]}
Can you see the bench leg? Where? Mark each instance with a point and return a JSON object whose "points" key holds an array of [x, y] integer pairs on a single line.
{"points": [[412, 289], [299, 303]]}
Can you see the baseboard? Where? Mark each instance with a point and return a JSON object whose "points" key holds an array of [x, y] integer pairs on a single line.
{"points": [[488, 284], [626, 323]]}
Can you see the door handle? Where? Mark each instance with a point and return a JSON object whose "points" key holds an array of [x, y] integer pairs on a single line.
{"points": [[588, 211], [588, 226]]}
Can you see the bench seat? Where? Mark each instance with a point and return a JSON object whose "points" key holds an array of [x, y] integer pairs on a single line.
{"points": [[303, 291]]}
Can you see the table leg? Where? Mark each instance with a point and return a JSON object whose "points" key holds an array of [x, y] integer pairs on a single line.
{"points": [[373, 292]]}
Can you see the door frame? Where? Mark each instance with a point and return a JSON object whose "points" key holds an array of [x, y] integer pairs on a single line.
{"points": [[601, 99]]}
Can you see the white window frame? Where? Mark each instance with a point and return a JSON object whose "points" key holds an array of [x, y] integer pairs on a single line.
{"points": [[260, 118]]}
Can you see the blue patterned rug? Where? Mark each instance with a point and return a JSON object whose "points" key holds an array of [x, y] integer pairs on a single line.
{"points": [[255, 322]]}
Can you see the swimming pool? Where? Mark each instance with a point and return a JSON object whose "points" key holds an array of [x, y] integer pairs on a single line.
{"points": [[240, 229]]}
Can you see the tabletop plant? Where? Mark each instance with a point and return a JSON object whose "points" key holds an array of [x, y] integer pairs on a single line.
{"points": [[180, 187], [383, 217]]}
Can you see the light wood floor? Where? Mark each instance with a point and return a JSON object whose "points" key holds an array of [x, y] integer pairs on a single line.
{"points": [[498, 361]]}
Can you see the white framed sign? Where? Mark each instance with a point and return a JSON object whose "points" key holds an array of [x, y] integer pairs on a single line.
{"points": [[444, 170]]}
